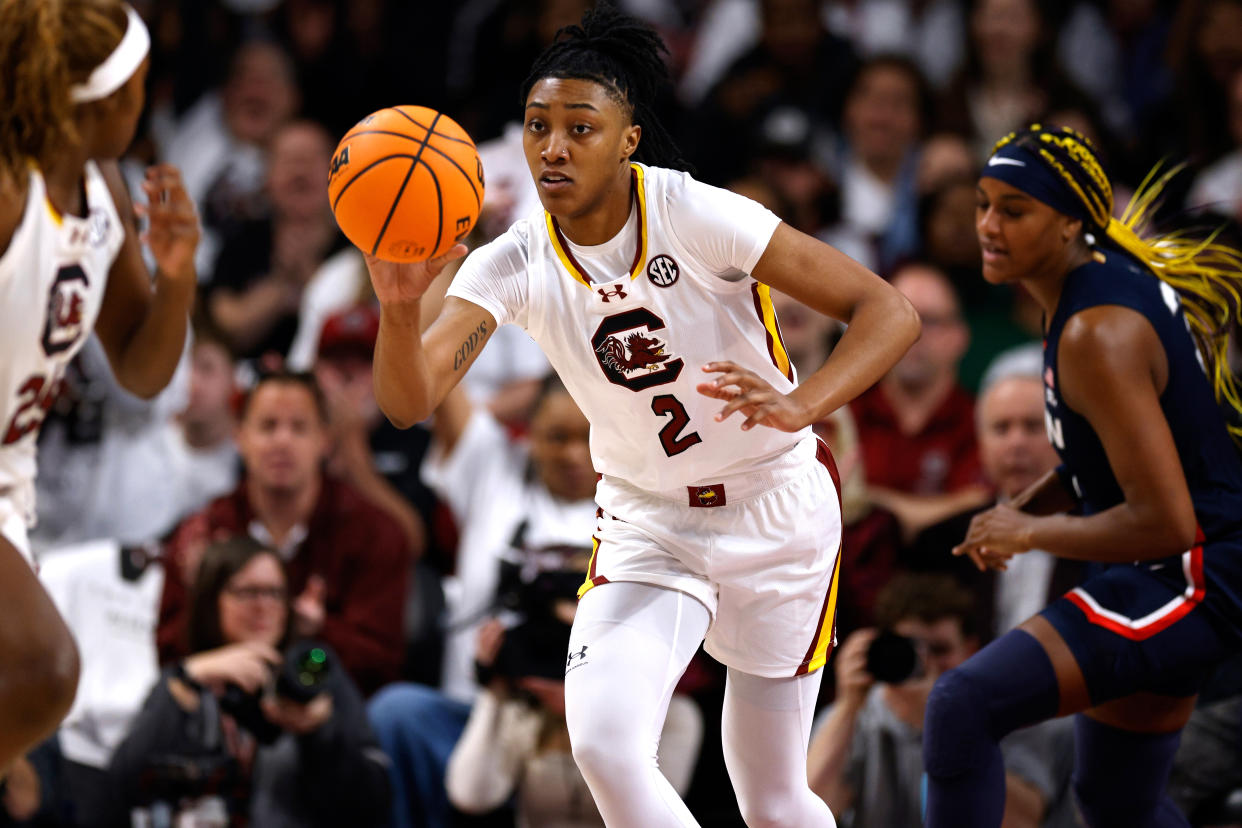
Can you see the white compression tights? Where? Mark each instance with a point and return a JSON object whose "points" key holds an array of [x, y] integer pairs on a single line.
{"points": [[639, 639]]}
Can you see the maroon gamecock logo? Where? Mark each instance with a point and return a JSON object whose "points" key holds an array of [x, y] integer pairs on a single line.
{"points": [[65, 303], [629, 355]]}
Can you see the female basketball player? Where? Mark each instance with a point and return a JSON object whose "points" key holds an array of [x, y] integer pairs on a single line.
{"points": [[71, 91], [1149, 463], [637, 280]]}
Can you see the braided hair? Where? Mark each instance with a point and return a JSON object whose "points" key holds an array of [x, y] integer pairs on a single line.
{"points": [[626, 57], [45, 47], [1206, 273]]}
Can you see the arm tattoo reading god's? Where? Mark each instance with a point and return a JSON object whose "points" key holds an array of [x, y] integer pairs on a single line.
{"points": [[467, 348]]}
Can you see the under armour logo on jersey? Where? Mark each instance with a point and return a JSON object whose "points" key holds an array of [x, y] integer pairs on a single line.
{"points": [[617, 292], [580, 656]]}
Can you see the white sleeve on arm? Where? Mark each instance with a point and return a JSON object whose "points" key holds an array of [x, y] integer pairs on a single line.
{"points": [[725, 231], [486, 763], [494, 277]]}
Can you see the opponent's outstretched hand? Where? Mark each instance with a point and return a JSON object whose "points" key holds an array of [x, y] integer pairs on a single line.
{"points": [[172, 222], [749, 393], [402, 283], [995, 536]]}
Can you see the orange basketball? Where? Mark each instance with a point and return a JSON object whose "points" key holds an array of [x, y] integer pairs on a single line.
{"points": [[406, 183]]}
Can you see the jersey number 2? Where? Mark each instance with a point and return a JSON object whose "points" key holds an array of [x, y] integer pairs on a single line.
{"points": [[667, 404]]}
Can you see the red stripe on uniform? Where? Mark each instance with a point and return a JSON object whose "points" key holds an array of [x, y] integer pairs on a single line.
{"points": [[1141, 633]]}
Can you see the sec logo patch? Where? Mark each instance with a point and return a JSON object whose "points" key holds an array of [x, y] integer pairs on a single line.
{"points": [[662, 271]]}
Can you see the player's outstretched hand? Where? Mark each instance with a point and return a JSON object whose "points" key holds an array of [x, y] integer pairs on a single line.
{"points": [[747, 392], [402, 283], [172, 223], [995, 536]]}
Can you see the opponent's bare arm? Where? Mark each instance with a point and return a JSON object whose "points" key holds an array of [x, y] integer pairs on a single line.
{"points": [[882, 325], [414, 371], [142, 327], [1112, 370]]}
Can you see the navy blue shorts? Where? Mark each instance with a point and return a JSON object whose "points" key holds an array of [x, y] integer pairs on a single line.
{"points": [[1143, 628]]}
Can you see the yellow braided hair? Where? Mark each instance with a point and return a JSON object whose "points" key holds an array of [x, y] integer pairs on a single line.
{"points": [[1206, 274]]}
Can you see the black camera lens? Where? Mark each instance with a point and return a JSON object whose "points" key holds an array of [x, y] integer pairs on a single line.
{"points": [[893, 658], [303, 676]]}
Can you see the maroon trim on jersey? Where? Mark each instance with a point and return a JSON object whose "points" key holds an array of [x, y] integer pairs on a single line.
{"points": [[767, 332], [824, 456], [638, 249], [820, 628]]}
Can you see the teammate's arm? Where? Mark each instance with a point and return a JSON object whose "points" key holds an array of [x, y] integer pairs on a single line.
{"points": [[882, 326], [1112, 369], [414, 371], [143, 329]]}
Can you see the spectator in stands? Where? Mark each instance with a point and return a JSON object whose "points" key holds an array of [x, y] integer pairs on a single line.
{"points": [[516, 742], [218, 733], [917, 423], [347, 559], [106, 458], [266, 264], [220, 143], [886, 110], [1010, 78], [1015, 453], [1218, 188], [503, 495], [998, 316], [797, 64], [866, 753], [1205, 50], [931, 33], [206, 456], [344, 373]]}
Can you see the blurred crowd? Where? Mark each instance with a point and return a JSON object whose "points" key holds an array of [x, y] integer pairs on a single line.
{"points": [[292, 614]]}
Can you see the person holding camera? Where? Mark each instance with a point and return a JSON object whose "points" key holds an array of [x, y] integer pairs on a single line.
{"points": [[516, 741], [251, 728], [866, 753], [506, 496]]}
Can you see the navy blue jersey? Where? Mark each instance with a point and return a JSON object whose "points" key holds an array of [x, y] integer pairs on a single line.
{"points": [[1211, 463]]}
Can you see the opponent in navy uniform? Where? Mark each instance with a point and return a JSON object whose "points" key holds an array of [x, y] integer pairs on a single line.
{"points": [[1150, 477], [648, 291], [71, 92]]}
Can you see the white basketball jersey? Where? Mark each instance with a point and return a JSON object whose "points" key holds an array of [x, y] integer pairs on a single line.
{"points": [[630, 346], [52, 279]]}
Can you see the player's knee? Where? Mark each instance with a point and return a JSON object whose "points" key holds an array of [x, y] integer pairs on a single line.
{"points": [[955, 724], [604, 749], [40, 682], [767, 811]]}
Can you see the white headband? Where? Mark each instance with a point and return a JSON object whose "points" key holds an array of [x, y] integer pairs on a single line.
{"points": [[119, 66]]}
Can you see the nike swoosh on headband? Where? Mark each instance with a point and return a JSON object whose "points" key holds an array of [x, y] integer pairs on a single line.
{"points": [[995, 161]]}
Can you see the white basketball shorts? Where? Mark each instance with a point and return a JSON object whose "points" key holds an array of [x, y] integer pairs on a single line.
{"points": [[760, 550]]}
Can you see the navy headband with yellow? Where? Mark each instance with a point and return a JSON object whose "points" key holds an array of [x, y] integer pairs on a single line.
{"points": [[1024, 170]]}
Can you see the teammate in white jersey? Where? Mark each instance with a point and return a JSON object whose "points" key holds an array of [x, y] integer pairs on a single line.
{"points": [[649, 293], [71, 92]]}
